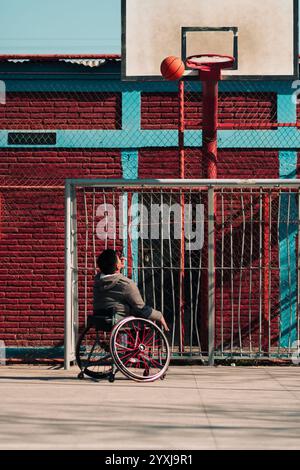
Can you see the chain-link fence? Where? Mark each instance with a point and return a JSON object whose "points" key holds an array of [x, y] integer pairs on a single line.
{"points": [[221, 260], [65, 119]]}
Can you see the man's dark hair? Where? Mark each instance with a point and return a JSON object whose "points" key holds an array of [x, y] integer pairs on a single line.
{"points": [[107, 261]]}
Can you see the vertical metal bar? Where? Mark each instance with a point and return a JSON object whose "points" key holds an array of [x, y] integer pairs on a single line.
{"points": [[198, 293], [68, 277], [142, 246], [191, 279], [288, 222], [129, 234], [172, 279], [182, 251], [260, 268], [162, 253], [105, 212], [279, 265], [152, 264], [266, 270], [231, 277], [222, 272], [241, 273], [93, 232], [86, 256], [74, 250], [181, 276], [115, 221], [270, 271], [298, 272], [250, 273], [211, 275]]}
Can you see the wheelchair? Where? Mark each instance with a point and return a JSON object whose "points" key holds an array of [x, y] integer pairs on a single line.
{"points": [[134, 346]]}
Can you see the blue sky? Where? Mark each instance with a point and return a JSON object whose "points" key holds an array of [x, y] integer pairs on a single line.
{"points": [[60, 26]]}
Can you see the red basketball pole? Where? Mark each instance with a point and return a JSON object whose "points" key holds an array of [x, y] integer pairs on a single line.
{"points": [[210, 126], [209, 67]]}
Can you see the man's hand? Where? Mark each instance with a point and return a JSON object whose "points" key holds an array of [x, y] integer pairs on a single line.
{"points": [[164, 324]]}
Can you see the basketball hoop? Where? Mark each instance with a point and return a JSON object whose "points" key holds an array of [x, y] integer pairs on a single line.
{"points": [[210, 65]]}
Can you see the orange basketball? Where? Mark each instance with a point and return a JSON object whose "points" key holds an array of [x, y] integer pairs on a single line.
{"points": [[172, 68]]}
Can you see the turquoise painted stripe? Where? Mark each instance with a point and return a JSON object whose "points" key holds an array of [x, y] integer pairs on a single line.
{"points": [[288, 229], [97, 85], [116, 85], [283, 138], [30, 353], [104, 139]]}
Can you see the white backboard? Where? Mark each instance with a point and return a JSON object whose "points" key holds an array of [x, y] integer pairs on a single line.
{"points": [[261, 34]]}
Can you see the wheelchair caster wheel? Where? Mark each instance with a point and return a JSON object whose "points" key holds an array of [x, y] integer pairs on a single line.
{"points": [[80, 376], [163, 377], [111, 378], [146, 373]]}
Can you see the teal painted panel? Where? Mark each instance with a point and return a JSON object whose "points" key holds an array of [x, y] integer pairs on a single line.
{"points": [[131, 110], [288, 230], [286, 109], [130, 171], [3, 138], [130, 161]]}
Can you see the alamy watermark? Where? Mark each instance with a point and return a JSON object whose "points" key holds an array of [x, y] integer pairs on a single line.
{"points": [[296, 93], [2, 353], [2, 92], [152, 222], [296, 353]]}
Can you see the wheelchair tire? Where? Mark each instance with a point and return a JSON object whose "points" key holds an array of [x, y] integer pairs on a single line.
{"points": [[92, 354], [138, 345]]}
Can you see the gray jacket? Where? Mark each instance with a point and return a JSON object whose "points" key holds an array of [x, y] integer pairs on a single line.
{"points": [[122, 294]]}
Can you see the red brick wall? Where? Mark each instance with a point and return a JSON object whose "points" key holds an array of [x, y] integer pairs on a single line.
{"points": [[53, 166], [254, 164], [58, 110], [160, 110], [32, 223], [32, 242]]}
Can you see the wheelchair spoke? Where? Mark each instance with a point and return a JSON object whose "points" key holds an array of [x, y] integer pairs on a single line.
{"points": [[93, 353], [124, 347]]}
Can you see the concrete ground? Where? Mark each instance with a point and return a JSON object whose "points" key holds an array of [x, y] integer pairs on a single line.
{"points": [[193, 408]]}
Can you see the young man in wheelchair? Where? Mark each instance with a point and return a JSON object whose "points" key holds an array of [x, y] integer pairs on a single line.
{"points": [[115, 292]]}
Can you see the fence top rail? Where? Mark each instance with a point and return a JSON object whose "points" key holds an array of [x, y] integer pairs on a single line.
{"points": [[186, 183]]}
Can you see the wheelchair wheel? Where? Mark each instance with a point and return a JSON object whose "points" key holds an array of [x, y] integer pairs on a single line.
{"points": [[93, 354], [140, 349]]}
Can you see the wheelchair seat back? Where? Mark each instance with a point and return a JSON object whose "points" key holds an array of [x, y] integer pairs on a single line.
{"points": [[102, 319]]}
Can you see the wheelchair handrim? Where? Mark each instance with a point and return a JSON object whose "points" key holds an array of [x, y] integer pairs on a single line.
{"points": [[126, 371]]}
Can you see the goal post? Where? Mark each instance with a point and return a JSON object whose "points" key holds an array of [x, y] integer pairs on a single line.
{"points": [[224, 243]]}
